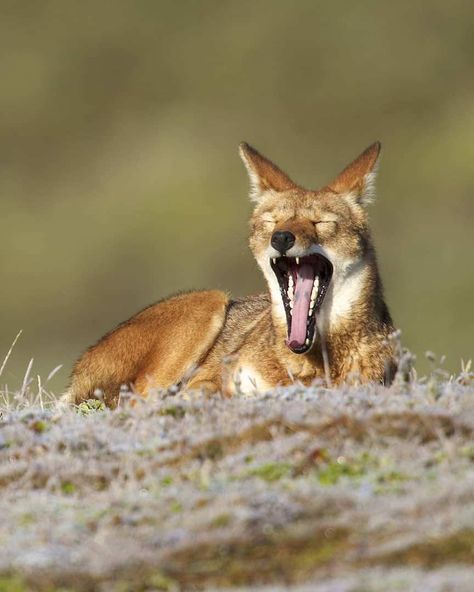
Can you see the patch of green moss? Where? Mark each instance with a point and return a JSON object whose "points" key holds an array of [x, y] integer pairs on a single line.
{"points": [[176, 411], [158, 581], [176, 507], [377, 470], [221, 520], [26, 519], [392, 476], [39, 426], [467, 451], [440, 456], [12, 583], [90, 406], [333, 471], [271, 471], [146, 452], [68, 488], [166, 481], [390, 481]]}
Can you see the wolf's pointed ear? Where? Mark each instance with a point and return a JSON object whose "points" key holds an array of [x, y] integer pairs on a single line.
{"points": [[264, 175], [357, 180]]}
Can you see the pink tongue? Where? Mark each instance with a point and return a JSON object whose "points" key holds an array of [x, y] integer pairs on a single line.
{"points": [[301, 302]]}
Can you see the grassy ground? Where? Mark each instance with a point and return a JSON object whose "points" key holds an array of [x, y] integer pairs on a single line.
{"points": [[359, 489]]}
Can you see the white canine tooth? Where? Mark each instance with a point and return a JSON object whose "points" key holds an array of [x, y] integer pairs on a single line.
{"points": [[297, 260], [274, 260], [290, 280], [314, 291], [308, 342]]}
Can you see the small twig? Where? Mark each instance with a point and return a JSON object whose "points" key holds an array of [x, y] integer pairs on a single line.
{"points": [[40, 394], [10, 351], [53, 372], [24, 386]]}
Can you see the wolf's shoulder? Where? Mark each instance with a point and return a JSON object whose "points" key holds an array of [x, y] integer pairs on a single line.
{"points": [[243, 315], [249, 306]]}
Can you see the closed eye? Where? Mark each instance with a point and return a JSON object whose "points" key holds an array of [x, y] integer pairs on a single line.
{"points": [[325, 222]]}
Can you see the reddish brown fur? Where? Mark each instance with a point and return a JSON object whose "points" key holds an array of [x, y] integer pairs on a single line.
{"points": [[352, 176], [269, 175], [234, 344], [155, 348]]}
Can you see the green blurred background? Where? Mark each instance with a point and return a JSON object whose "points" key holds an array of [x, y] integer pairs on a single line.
{"points": [[120, 178]]}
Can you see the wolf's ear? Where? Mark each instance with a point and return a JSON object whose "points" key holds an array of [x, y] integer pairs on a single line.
{"points": [[264, 175], [357, 180]]}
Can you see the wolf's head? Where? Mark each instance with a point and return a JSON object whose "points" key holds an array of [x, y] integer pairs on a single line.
{"points": [[313, 247]]}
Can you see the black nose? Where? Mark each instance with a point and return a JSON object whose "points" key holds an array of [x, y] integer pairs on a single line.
{"points": [[282, 240]]}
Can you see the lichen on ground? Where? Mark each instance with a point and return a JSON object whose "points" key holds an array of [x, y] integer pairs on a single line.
{"points": [[351, 489]]}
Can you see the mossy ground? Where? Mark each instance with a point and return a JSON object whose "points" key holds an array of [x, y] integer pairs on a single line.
{"points": [[343, 489]]}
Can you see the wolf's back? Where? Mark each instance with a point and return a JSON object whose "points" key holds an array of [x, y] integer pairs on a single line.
{"points": [[155, 348]]}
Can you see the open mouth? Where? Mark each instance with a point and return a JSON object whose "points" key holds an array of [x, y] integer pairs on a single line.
{"points": [[303, 285]]}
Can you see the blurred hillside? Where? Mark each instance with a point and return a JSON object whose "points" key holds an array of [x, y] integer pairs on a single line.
{"points": [[120, 180]]}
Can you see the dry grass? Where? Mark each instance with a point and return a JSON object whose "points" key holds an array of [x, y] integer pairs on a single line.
{"points": [[355, 489]]}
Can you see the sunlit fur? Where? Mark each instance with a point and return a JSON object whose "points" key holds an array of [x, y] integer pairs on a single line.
{"points": [[204, 340]]}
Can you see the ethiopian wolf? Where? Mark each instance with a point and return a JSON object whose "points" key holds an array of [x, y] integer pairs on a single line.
{"points": [[324, 315]]}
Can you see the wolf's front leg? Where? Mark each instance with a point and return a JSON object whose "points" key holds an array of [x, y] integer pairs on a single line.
{"points": [[207, 387]]}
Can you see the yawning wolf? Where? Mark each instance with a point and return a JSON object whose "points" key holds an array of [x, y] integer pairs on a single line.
{"points": [[324, 317]]}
